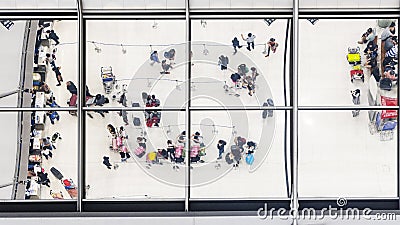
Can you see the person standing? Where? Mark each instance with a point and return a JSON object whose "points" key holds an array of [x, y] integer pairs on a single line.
{"points": [[154, 58], [386, 38], [250, 41], [223, 61], [356, 101]]}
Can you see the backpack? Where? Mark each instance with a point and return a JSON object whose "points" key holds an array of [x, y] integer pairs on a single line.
{"points": [[228, 158]]}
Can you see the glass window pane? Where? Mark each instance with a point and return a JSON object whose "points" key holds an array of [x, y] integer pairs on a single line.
{"points": [[27, 165], [112, 174], [244, 135], [330, 80], [250, 78], [347, 156], [34, 58], [119, 61]]}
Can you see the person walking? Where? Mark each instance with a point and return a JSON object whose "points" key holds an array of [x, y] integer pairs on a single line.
{"points": [[356, 101], [223, 61], [235, 44]]}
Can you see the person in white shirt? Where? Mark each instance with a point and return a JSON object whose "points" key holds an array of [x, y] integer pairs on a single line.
{"points": [[250, 40]]}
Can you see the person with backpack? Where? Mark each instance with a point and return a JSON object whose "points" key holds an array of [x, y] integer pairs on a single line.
{"points": [[53, 36], [165, 67], [106, 162], [221, 148]]}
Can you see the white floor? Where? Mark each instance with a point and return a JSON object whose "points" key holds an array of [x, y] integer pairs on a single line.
{"points": [[163, 180], [337, 154], [338, 157], [65, 157]]}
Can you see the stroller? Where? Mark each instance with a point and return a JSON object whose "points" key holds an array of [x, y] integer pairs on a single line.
{"points": [[108, 79], [353, 56]]}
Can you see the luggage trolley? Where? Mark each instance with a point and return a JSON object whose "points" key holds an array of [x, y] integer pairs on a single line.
{"points": [[384, 122], [108, 79], [354, 59]]}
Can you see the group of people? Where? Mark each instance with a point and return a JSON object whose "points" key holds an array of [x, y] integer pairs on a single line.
{"points": [[166, 64], [271, 44], [385, 74], [152, 117], [118, 144], [243, 79], [241, 148]]}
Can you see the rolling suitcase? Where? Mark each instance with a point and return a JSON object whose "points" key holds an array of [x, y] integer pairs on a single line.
{"points": [[56, 173], [139, 152]]}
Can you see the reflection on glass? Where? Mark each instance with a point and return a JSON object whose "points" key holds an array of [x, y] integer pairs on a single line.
{"points": [[355, 61], [153, 64], [40, 56], [347, 155], [237, 148], [43, 164], [235, 66], [131, 161]]}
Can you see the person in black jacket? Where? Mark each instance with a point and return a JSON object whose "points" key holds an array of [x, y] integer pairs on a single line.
{"points": [[72, 88], [53, 36], [221, 145]]}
